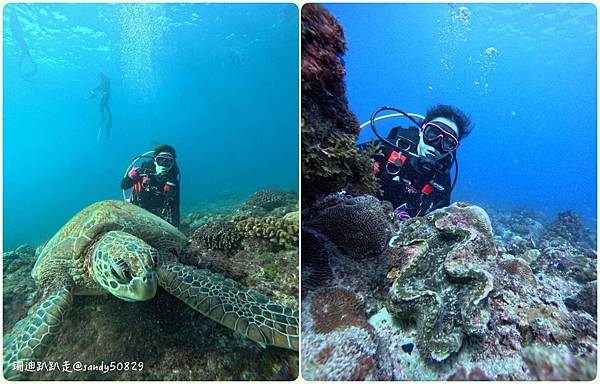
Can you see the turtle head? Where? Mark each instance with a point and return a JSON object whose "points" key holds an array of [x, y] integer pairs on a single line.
{"points": [[125, 266]]}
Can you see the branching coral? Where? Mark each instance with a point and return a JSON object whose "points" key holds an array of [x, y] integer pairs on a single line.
{"points": [[444, 282], [330, 159], [222, 235], [279, 231]]}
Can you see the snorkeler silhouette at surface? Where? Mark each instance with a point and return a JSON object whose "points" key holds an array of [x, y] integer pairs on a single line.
{"points": [[17, 34], [103, 89]]}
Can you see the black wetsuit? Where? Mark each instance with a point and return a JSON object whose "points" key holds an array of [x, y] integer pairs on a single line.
{"points": [[106, 115], [149, 191], [17, 34], [407, 184]]}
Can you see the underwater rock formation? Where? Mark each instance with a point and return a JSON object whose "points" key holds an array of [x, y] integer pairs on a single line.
{"points": [[476, 374], [22, 257], [330, 159], [316, 272], [558, 364], [18, 286], [338, 343], [586, 299], [171, 340], [562, 259], [532, 302], [444, 277], [221, 235], [568, 227], [356, 225], [266, 257]]}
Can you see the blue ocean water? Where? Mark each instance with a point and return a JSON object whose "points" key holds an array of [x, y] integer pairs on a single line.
{"points": [[526, 73], [219, 82]]}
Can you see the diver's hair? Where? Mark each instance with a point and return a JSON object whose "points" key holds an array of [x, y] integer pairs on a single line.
{"points": [[164, 148], [462, 120]]}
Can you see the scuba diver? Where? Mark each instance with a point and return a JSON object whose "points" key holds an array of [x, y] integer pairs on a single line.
{"points": [[414, 166], [156, 184], [17, 34], [103, 89]]}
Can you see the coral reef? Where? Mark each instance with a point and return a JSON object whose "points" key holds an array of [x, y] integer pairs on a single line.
{"points": [[338, 343], [269, 202], [558, 364], [569, 227], [357, 225], [267, 199], [330, 159], [567, 251], [21, 258], [199, 214], [316, 272], [18, 286], [173, 341], [541, 298], [443, 284], [221, 235], [279, 231], [476, 374], [448, 298], [586, 299], [168, 337]]}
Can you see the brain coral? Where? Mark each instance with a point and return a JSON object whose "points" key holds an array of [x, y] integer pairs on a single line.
{"points": [[221, 235], [267, 199], [444, 280], [330, 159], [357, 225]]}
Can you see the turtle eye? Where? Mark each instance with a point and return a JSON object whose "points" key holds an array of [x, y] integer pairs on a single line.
{"points": [[115, 274], [120, 271]]}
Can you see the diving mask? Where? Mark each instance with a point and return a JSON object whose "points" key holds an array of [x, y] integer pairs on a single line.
{"points": [[442, 132], [163, 162]]}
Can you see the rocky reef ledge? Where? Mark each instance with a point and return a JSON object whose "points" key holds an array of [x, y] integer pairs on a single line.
{"points": [[445, 298]]}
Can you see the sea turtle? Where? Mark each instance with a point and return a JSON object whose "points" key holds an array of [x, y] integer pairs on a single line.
{"points": [[119, 248]]}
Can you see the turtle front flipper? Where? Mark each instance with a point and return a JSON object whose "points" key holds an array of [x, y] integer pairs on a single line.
{"points": [[31, 336], [247, 312]]}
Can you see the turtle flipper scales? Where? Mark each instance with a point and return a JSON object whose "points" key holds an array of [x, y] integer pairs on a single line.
{"points": [[31, 336], [247, 312]]}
